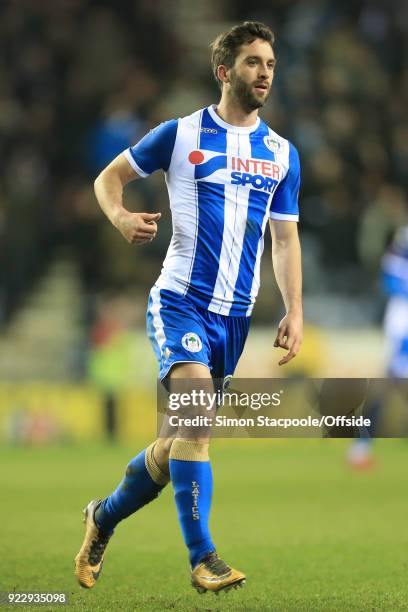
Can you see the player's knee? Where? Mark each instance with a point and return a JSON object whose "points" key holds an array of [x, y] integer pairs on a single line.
{"points": [[162, 450]]}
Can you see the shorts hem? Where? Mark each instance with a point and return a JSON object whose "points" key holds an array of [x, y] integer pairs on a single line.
{"points": [[183, 361]]}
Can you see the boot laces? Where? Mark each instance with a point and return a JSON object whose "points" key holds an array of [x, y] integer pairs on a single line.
{"points": [[98, 547], [215, 565]]}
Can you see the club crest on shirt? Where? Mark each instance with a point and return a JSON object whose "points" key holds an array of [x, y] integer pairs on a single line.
{"points": [[191, 342], [272, 144]]}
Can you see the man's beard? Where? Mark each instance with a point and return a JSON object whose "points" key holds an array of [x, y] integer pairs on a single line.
{"points": [[243, 93]]}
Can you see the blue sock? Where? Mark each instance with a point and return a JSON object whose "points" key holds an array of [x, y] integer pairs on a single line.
{"points": [[192, 483], [135, 491]]}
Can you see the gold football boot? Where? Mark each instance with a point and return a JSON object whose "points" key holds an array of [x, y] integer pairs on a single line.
{"points": [[212, 574], [89, 560]]}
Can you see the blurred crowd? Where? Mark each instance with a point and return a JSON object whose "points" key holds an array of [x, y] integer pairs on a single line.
{"points": [[81, 80]]}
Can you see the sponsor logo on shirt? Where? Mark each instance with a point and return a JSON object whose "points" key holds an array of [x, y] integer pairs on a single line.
{"points": [[262, 174]]}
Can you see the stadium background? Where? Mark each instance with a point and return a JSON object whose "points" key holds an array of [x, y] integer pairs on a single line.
{"points": [[80, 81]]}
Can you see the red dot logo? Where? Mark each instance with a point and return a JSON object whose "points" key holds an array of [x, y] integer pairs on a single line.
{"points": [[196, 157]]}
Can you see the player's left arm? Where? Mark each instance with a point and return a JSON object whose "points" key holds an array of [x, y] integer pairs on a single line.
{"points": [[284, 214], [286, 258]]}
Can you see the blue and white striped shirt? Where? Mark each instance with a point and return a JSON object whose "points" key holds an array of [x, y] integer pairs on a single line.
{"points": [[224, 183]]}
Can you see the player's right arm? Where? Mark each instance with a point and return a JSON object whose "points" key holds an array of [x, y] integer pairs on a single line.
{"points": [[136, 228], [153, 152]]}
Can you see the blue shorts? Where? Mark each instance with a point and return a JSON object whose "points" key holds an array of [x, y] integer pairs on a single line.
{"points": [[182, 332]]}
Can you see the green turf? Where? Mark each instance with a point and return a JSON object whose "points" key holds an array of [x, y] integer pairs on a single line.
{"points": [[309, 534]]}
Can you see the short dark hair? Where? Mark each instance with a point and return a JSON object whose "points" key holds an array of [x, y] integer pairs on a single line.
{"points": [[225, 47]]}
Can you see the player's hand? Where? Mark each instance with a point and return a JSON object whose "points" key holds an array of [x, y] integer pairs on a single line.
{"points": [[289, 337], [137, 228]]}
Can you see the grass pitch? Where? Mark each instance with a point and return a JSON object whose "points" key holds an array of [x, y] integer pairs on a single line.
{"points": [[309, 534]]}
